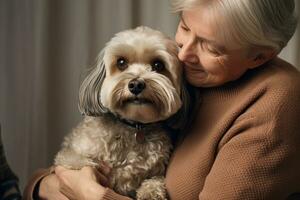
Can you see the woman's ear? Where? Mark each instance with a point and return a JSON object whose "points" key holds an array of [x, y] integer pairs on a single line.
{"points": [[89, 98], [261, 56]]}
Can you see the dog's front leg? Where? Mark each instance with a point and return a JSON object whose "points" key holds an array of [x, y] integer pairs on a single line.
{"points": [[153, 188]]}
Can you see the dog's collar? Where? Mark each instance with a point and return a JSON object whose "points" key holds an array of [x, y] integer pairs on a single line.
{"points": [[140, 128], [139, 125]]}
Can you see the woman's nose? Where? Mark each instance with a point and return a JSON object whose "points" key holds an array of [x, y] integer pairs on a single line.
{"points": [[188, 53]]}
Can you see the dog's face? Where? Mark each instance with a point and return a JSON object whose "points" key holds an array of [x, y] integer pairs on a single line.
{"points": [[138, 76]]}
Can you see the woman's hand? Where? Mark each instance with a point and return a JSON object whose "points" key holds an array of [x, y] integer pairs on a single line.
{"points": [[82, 184], [49, 189]]}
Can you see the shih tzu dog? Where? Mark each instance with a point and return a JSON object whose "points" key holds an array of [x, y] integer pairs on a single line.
{"points": [[130, 100]]}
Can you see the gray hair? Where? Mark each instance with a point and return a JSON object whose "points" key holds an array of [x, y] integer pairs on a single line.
{"points": [[263, 23], [89, 92]]}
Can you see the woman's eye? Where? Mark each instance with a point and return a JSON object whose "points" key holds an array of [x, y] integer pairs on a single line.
{"points": [[213, 51], [122, 63], [208, 48], [158, 65], [184, 28]]}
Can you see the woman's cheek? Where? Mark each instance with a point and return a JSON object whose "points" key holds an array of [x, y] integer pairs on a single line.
{"points": [[210, 65]]}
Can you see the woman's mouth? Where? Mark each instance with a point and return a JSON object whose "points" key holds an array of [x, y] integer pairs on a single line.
{"points": [[190, 68]]}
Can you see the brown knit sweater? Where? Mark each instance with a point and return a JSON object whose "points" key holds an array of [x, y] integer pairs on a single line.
{"points": [[244, 143]]}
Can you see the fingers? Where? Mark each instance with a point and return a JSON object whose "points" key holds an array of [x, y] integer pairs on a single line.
{"points": [[59, 169], [104, 169], [103, 173], [99, 174], [102, 179], [67, 192], [49, 188], [77, 184]]}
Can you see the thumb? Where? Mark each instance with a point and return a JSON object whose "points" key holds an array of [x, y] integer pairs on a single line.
{"points": [[59, 169]]}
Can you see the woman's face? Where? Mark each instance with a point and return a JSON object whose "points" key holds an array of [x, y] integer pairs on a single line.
{"points": [[208, 61]]}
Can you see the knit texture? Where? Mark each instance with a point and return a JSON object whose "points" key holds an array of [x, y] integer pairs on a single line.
{"points": [[245, 142]]}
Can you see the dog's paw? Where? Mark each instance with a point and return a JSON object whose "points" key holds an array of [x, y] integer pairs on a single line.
{"points": [[153, 188]]}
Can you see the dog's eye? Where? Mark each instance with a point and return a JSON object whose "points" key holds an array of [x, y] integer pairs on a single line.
{"points": [[122, 63], [158, 65]]}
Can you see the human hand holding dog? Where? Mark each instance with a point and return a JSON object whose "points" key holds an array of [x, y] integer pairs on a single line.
{"points": [[67, 184], [85, 184], [49, 189]]}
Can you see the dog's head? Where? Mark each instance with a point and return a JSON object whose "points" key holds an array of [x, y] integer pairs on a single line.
{"points": [[137, 76]]}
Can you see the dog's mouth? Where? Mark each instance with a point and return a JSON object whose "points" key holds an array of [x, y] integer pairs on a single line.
{"points": [[137, 101]]}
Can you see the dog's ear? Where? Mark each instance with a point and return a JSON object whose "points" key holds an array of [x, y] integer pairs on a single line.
{"points": [[186, 104], [183, 118], [179, 120], [89, 92]]}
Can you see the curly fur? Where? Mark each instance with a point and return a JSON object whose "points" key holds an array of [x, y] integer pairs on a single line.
{"points": [[138, 168]]}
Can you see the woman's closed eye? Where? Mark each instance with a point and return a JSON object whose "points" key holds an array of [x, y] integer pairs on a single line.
{"points": [[213, 51], [184, 27], [208, 47]]}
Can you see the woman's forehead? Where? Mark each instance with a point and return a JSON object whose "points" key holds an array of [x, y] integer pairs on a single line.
{"points": [[199, 23], [202, 22]]}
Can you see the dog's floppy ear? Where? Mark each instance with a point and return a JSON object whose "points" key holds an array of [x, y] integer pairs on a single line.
{"points": [[183, 118], [89, 92]]}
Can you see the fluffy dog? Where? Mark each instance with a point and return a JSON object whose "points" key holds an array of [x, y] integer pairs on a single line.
{"points": [[128, 100]]}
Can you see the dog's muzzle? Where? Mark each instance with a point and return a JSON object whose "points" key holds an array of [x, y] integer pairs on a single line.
{"points": [[136, 86]]}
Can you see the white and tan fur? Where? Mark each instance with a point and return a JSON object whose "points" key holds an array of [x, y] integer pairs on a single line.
{"points": [[110, 104]]}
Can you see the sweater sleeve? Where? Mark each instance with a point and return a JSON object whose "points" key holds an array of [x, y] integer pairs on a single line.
{"points": [[258, 158], [33, 184], [111, 195]]}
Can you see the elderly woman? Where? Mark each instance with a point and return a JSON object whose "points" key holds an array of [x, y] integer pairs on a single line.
{"points": [[245, 139]]}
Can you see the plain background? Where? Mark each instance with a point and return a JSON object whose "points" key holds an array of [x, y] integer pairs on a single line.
{"points": [[46, 47]]}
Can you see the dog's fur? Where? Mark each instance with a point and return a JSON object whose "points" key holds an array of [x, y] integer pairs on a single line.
{"points": [[138, 81]]}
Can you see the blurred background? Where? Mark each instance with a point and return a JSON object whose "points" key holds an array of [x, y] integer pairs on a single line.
{"points": [[46, 47]]}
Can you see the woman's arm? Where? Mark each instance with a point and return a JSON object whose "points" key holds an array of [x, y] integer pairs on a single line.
{"points": [[43, 184], [259, 161], [70, 184], [48, 188]]}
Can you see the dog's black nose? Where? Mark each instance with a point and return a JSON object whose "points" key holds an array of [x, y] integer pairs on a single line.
{"points": [[136, 86]]}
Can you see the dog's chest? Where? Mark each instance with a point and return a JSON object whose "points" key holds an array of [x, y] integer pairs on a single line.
{"points": [[116, 145], [129, 146], [133, 161]]}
